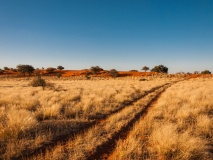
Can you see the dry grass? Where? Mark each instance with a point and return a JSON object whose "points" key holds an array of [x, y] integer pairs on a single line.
{"points": [[179, 126], [84, 145], [32, 116]]}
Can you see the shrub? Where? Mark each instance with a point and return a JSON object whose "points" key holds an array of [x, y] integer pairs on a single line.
{"points": [[38, 81], [133, 70], [113, 73], [50, 69], [142, 79], [58, 75], [160, 69], [6, 68], [206, 72], [25, 69], [96, 69], [87, 75]]}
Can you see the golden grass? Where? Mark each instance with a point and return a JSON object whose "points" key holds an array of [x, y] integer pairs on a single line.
{"points": [[85, 144], [32, 116], [179, 126]]}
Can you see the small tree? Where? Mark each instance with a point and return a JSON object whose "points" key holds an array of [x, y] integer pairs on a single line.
{"points": [[145, 68], [113, 73], [60, 68], [160, 69], [25, 69], [95, 69], [206, 72]]}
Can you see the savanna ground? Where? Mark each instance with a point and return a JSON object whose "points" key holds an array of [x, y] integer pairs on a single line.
{"points": [[123, 118]]}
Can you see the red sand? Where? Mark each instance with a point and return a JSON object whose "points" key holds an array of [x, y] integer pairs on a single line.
{"points": [[69, 73]]}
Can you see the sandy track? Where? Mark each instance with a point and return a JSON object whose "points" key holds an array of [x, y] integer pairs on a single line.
{"points": [[104, 150]]}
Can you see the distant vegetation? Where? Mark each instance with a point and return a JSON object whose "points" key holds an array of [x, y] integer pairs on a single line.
{"points": [[25, 69], [160, 69], [133, 70], [95, 69], [113, 73], [206, 72], [50, 70], [60, 68], [29, 70], [145, 68], [6, 68]]}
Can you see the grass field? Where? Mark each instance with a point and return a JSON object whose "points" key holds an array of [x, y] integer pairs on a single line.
{"points": [[161, 118]]}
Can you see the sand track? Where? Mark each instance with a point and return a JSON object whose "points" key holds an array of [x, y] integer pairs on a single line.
{"points": [[104, 150]]}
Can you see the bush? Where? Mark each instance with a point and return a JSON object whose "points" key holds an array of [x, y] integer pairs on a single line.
{"points": [[206, 72], [58, 75], [6, 68], [113, 73], [87, 75], [142, 79], [95, 69], [50, 70], [133, 70], [38, 82], [25, 69], [160, 69]]}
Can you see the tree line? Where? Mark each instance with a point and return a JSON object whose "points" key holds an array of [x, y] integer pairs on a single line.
{"points": [[29, 69]]}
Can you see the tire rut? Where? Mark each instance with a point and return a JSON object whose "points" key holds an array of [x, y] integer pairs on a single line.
{"points": [[104, 150]]}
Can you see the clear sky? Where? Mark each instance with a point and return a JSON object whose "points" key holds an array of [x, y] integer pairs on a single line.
{"points": [[120, 34]]}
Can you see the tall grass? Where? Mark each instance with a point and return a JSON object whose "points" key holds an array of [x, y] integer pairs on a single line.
{"points": [[30, 116], [179, 126]]}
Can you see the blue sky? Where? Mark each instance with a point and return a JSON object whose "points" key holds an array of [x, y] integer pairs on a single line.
{"points": [[120, 34]]}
